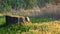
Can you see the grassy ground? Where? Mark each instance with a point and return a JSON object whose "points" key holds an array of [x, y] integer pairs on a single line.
{"points": [[46, 27], [38, 20], [2, 20]]}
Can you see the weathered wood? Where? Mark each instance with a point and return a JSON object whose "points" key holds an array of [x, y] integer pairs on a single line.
{"points": [[11, 20], [14, 19]]}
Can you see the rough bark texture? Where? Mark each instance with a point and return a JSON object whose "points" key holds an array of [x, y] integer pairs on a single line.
{"points": [[13, 20]]}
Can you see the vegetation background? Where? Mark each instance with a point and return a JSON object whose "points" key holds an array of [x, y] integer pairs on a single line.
{"points": [[42, 13], [39, 8]]}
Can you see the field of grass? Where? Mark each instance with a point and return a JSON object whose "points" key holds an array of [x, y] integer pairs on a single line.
{"points": [[2, 20], [38, 20], [38, 26]]}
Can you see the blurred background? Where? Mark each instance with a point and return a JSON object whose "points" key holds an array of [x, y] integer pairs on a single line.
{"points": [[44, 16], [32, 8]]}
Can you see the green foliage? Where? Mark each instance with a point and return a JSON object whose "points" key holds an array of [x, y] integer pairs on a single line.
{"points": [[5, 7], [41, 3], [15, 4], [30, 3], [8, 5]]}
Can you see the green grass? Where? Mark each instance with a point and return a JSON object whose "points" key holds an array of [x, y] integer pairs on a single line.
{"points": [[2, 20], [37, 20], [32, 28], [38, 26], [33, 20]]}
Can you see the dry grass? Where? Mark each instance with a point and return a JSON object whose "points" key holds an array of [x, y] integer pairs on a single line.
{"points": [[0, 14], [43, 28]]}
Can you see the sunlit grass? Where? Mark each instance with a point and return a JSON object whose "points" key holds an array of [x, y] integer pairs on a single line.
{"points": [[38, 19], [43, 28], [2, 20], [47, 27], [52, 27]]}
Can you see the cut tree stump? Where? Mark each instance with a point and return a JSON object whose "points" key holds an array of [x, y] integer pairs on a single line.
{"points": [[14, 19]]}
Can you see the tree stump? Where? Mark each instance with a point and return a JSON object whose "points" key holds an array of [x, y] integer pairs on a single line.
{"points": [[13, 20]]}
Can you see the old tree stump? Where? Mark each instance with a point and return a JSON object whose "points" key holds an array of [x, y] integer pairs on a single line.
{"points": [[16, 19]]}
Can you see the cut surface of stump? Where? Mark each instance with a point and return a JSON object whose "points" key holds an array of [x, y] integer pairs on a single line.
{"points": [[27, 19]]}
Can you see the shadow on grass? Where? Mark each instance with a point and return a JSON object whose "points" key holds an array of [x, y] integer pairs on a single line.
{"points": [[4, 25]]}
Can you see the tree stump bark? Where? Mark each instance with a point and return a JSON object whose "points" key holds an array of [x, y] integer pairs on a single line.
{"points": [[13, 20]]}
